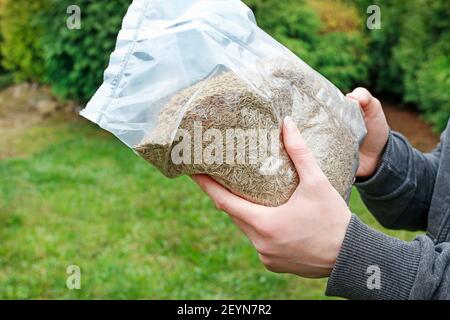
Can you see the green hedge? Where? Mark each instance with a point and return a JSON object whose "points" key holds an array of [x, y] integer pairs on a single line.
{"points": [[433, 84], [384, 72], [5, 76], [410, 55], [2, 69], [76, 59], [338, 55], [21, 48], [423, 55], [39, 46]]}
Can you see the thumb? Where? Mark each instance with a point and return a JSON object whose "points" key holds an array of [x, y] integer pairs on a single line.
{"points": [[368, 103], [298, 151]]}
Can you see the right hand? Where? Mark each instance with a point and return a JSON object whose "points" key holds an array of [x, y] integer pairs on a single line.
{"points": [[371, 150]]}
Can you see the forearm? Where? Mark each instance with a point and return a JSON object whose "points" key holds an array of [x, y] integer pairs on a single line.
{"points": [[400, 192], [406, 270]]}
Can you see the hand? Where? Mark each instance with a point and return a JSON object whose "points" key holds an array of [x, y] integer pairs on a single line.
{"points": [[304, 235], [377, 132]]}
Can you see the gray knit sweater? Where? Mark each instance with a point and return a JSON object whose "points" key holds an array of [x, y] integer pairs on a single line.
{"points": [[411, 191]]}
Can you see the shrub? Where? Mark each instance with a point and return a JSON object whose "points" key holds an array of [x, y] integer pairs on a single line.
{"points": [[412, 49], [287, 20], [2, 70], [5, 77], [423, 54], [408, 55], [342, 58], [433, 83], [337, 16], [334, 47], [76, 59], [21, 49], [384, 72]]}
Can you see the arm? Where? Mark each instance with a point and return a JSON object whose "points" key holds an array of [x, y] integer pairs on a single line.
{"points": [[400, 192], [314, 235], [407, 270], [398, 180]]}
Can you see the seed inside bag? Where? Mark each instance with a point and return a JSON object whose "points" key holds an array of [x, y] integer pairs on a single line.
{"points": [[229, 127]]}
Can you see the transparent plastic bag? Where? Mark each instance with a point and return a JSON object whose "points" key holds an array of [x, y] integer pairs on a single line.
{"points": [[196, 87]]}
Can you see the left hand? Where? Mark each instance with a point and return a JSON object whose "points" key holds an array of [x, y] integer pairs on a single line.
{"points": [[303, 236]]}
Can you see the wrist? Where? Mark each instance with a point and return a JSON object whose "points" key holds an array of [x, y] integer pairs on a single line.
{"points": [[369, 166], [371, 161], [335, 243]]}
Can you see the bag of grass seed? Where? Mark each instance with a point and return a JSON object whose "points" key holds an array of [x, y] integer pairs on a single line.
{"points": [[196, 87]]}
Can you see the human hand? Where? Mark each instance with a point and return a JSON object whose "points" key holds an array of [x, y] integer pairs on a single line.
{"points": [[303, 236], [377, 132]]}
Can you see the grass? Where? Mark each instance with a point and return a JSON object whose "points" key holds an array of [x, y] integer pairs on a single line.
{"points": [[72, 194]]}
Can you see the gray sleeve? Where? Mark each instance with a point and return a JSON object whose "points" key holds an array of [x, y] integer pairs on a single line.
{"points": [[372, 265], [400, 192]]}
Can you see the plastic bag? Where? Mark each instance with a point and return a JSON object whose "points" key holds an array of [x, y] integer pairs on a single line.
{"points": [[196, 87]]}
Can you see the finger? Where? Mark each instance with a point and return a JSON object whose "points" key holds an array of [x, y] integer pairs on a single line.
{"points": [[362, 95], [228, 202], [369, 103], [298, 151]]}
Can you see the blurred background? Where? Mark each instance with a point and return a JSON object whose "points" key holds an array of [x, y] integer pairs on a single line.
{"points": [[71, 194]]}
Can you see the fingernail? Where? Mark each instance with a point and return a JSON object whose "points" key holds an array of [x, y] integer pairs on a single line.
{"points": [[289, 124]]}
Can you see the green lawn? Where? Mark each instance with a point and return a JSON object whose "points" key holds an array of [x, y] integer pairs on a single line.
{"points": [[71, 194]]}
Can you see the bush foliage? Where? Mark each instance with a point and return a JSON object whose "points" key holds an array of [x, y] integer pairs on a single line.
{"points": [[75, 59], [408, 57], [21, 48], [5, 77], [411, 55], [2, 69], [331, 44], [433, 84]]}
